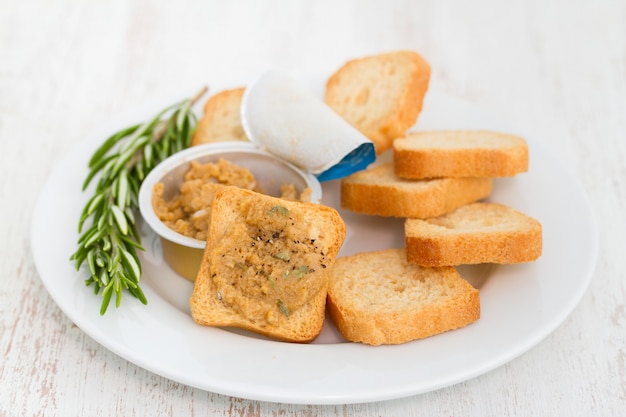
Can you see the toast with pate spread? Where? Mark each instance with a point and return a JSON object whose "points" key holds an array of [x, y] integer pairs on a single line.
{"points": [[266, 265]]}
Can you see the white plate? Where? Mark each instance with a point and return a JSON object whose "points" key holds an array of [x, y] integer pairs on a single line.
{"points": [[520, 304]]}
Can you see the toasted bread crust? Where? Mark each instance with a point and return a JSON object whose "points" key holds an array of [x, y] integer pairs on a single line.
{"points": [[221, 120], [234, 210], [380, 95], [473, 234], [459, 154], [304, 324], [379, 298], [378, 191]]}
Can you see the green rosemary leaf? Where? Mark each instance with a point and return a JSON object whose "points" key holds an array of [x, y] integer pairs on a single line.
{"points": [[94, 238], [118, 295], [163, 149], [97, 167], [131, 264], [185, 132], [91, 262], [120, 219], [85, 213], [170, 136], [143, 130], [121, 163], [135, 235], [130, 215], [182, 115], [106, 243], [138, 293], [128, 284], [106, 299], [109, 143], [117, 286], [88, 234], [95, 202], [104, 277], [127, 154], [104, 220], [123, 196], [115, 259], [78, 258], [148, 154], [140, 170]]}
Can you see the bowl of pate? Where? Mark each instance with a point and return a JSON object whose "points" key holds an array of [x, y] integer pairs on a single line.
{"points": [[175, 198]]}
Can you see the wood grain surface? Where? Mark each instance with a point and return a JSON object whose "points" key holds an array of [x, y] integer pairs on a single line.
{"points": [[555, 68]]}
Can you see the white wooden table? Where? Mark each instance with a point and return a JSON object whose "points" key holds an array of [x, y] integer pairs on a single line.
{"points": [[557, 68]]}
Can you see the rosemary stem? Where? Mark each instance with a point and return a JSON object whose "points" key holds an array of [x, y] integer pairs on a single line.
{"points": [[199, 95]]}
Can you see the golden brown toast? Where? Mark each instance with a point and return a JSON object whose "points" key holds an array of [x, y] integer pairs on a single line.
{"points": [[379, 298], [378, 191], [380, 95], [459, 153], [221, 120], [265, 267], [473, 234]]}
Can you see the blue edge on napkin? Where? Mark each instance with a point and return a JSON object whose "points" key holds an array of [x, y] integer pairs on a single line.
{"points": [[357, 160]]}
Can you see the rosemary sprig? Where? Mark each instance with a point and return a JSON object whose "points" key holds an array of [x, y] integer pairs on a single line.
{"points": [[109, 245]]}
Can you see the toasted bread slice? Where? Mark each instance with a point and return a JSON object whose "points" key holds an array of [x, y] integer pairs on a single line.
{"points": [[459, 154], [221, 120], [265, 267], [380, 95], [378, 191], [473, 234], [379, 298]]}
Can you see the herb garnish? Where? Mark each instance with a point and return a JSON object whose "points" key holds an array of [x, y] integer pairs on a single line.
{"points": [[278, 209], [300, 271], [282, 307], [122, 162], [283, 256]]}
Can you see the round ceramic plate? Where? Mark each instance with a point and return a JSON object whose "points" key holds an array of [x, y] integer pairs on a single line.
{"points": [[520, 304]]}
